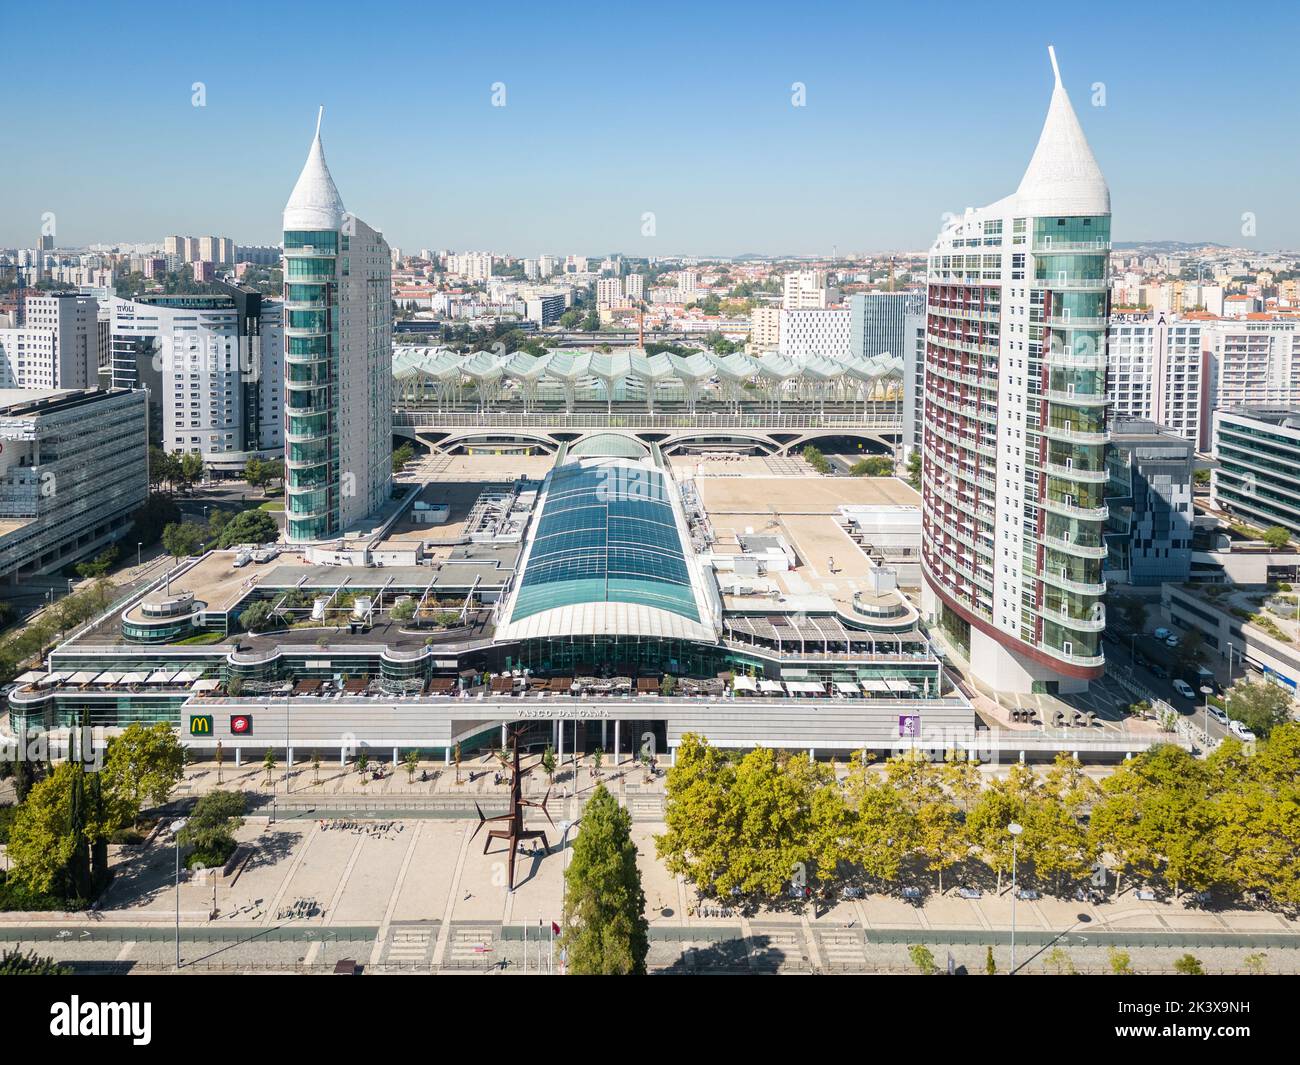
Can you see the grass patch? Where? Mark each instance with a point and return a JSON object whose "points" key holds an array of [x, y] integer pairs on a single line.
{"points": [[202, 638], [276, 506]]}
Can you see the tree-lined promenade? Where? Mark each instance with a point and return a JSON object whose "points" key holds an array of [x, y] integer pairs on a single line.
{"points": [[759, 824]]}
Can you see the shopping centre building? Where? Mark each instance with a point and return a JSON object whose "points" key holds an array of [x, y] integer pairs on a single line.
{"points": [[605, 595]]}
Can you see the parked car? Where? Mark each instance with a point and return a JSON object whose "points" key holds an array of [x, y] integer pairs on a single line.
{"points": [[1172, 641], [1158, 670], [1219, 716], [969, 893], [1027, 894], [1240, 731], [1183, 688], [1162, 634]]}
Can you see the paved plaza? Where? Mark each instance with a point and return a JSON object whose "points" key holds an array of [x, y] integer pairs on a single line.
{"points": [[393, 876]]}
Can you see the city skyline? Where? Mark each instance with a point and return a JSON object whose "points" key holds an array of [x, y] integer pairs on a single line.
{"points": [[576, 156]]}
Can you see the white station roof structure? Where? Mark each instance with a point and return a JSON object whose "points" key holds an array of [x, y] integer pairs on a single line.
{"points": [[443, 376]]}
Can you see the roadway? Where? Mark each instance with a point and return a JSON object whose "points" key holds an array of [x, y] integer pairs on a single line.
{"points": [[1134, 660]]}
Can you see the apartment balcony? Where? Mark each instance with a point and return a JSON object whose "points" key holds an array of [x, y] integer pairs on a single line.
{"points": [[1095, 622], [1069, 284], [1094, 661], [1075, 473], [1077, 399], [1071, 547], [1068, 247], [1074, 436], [1069, 361], [1071, 510], [1079, 587], [1072, 322]]}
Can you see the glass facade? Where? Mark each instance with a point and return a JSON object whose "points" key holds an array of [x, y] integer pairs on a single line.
{"points": [[311, 346]]}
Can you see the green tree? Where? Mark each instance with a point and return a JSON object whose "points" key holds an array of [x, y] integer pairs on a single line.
{"points": [[257, 616], [403, 611], [815, 459], [144, 764], [41, 842], [873, 466], [1189, 965], [412, 763], [268, 763], [250, 527], [990, 966], [914, 469], [210, 828], [1059, 962], [101, 564], [923, 958], [1276, 537], [1260, 706], [401, 456], [1120, 962], [1153, 819], [605, 929], [183, 539], [191, 468], [548, 763], [16, 963]]}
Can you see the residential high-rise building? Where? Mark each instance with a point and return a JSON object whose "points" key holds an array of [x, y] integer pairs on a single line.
{"points": [[609, 292], [634, 286], [805, 290], [1255, 360], [338, 359], [1014, 445], [765, 329], [1157, 368], [56, 346]]}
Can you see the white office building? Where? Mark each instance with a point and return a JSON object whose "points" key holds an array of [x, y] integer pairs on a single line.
{"points": [[213, 365], [814, 334]]}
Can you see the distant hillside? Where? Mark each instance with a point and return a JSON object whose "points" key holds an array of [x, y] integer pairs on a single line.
{"points": [[1163, 245]]}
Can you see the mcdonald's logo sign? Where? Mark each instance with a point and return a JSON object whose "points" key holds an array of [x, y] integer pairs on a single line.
{"points": [[201, 725]]}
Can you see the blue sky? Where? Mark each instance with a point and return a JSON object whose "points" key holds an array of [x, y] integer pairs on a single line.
{"points": [[612, 111]]}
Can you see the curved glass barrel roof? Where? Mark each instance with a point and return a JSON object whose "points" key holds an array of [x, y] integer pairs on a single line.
{"points": [[607, 533], [609, 445]]}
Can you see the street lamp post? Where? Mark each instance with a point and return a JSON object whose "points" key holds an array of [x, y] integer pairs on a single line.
{"points": [[176, 834], [1015, 831], [139, 548], [1207, 691]]}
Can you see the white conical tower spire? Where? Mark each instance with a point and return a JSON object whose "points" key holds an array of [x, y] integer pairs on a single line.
{"points": [[1063, 176], [315, 203]]}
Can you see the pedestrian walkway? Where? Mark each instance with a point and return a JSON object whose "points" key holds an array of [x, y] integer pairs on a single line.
{"points": [[410, 945]]}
